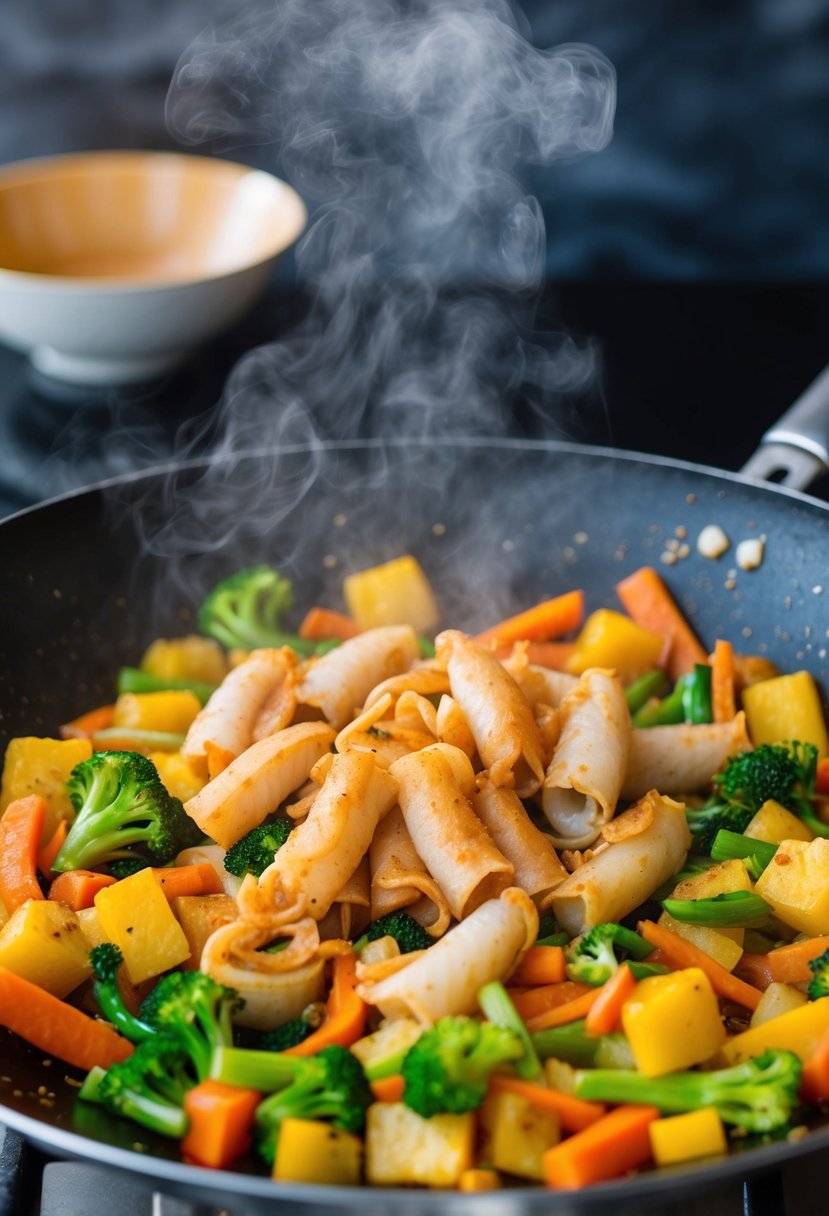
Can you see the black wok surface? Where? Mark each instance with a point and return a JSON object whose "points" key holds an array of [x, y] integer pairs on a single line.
{"points": [[497, 527]]}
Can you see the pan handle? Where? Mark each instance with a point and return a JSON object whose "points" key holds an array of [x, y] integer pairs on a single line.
{"points": [[795, 451]]}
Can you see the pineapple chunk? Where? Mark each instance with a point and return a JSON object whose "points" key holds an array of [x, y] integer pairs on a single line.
{"points": [[796, 884], [719, 943], [135, 915], [402, 1148], [177, 777], [787, 707], [721, 879], [42, 942], [673, 1022], [171, 711], [42, 766], [188, 658], [199, 917], [776, 1000], [396, 593], [611, 639], [309, 1150], [477, 1180], [90, 923], [699, 1133], [774, 823], [516, 1134], [381, 1053], [799, 1030]]}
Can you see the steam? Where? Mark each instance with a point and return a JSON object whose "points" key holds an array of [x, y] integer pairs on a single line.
{"points": [[406, 127]]}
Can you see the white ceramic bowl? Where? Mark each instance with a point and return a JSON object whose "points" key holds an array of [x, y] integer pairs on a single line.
{"points": [[115, 265]]}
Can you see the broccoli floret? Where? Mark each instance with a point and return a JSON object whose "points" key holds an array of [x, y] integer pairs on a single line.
{"points": [[193, 1008], [106, 959], [758, 1095], [406, 931], [716, 816], [330, 1085], [122, 810], [289, 1034], [591, 959], [246, 608], [255, 851], [150, 1086], [123, 867], [819, 983], [447, 1069]]}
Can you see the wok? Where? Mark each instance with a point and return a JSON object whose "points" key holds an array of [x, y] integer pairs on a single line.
{"points": [[86, 583]]}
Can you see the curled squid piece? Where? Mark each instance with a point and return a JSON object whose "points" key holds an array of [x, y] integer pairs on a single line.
{"points": [[339, 682], [446, 978], [676, 759], [531, 853], [399, 879], [254, 784]]}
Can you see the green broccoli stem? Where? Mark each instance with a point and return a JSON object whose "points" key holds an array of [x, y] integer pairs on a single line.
{"points": [[807, 813], [90, 1091], [667, 712], [87, 849], [696, 696], [115, 1011], [730, 846], [133, 679], [497, 1007], [266, 1071], [569, 1043], [731, 910], [158, 1116], [554, 939], [651, 684]]}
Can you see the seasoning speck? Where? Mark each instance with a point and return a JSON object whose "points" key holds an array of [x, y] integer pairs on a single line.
{"points": [[329, 561], [581, 538], [340, 520], [817, 590], [712, 541], [690, 499], [750, 553], [438, 529]]}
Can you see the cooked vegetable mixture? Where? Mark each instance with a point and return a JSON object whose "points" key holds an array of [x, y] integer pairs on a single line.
{"points": [[545, 905]]}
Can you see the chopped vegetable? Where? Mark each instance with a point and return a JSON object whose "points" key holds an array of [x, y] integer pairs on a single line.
{"points": [[220, 1119], [447, 1070], [649, 603], [498, 1009], [197, 1011], [722, 911], [255, 851], [245, 610], [406, 931], [592, 959], [20, 831], [682, 953], [105, 960], [611, 1146], [543, 623]]}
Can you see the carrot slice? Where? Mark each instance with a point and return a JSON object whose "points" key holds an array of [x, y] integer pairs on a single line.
{"points": [[683, 953], [20, 831], [320, 624], [822, 779], [575, 1113], [542, 654], [49, 851], [785, 965], [723, 700], [615, 1144], [221, 1122], [540, 965], [55, 1028], [571, 1012], [814, 1080], [345, 1012], [531, 1002], [198, 879], [389, 1089], [547, 620], [605, 1015], [89, 724], [78, 888], [648, 602]]}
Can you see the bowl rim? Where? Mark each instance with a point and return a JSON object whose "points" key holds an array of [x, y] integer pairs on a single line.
{"points": [[100, 161]]}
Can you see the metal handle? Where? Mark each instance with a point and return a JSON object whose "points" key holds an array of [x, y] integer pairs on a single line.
{"points": [[795, 450]]}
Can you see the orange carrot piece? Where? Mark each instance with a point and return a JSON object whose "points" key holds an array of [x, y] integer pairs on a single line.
{"points": [[814, 1080], [78, 888], [89, 724], [345, 1012], [785, 965], [684, 954], [612, 1146], [605, 1015], [320, 624], [221, 1122], [542, 654], [648, 602], [723, 700], [531, 1002], [570, 1012], [55, 1028], [540, 965], [218, 758], [389, 1089], [198, 879], [822, 779], [575, 1113], [49, 851], [542, 623], [20, 830]]}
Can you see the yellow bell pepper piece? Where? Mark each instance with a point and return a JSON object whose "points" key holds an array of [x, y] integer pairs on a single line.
{"points": [[787, 707], [611, 639], [516, 1134], [312, 1151], [42, 766], [396, 593], [177, 776], [42, 942], [774, 823], [796, 884], [404, 1149], [188, 658], [673, 1022], [135, 915], [699, 1133], [173, 710], [475, 1181], [799, 1030]]}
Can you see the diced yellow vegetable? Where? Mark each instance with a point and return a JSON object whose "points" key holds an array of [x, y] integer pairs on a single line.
{"points": [[177, 777], [42, 766], [799, 1030], [42, 942], [699, 1133], [611, 639], [173, 710], [774, 823], [396, 593], [404, 1149], [560, 1075], [90, 923], [475, 1181], [189, 658], [309, 1150], [136, 916], [516, 1134], [721, 879], [796, 884], [199, 916], [787, 707], [718, 943], [777, 1000], [673, 1022], [379, 1052]]}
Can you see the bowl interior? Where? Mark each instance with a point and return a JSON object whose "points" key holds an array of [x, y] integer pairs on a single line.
{"points": [[142, 217]]}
